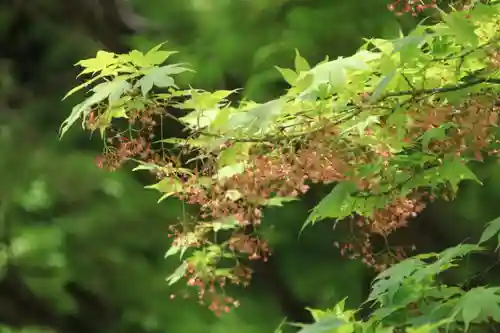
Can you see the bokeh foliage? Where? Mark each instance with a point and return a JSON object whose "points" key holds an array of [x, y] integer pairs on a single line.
{"points": [[83, 249]]}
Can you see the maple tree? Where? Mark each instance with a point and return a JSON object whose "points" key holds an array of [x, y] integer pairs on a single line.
{"points": [[393, 127]]}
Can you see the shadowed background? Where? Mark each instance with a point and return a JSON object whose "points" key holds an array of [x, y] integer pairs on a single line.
{"points": [[81, 250]]}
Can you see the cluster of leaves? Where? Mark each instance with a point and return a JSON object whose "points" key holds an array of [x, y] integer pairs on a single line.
{"points": [[410, 296], [393, 126]]}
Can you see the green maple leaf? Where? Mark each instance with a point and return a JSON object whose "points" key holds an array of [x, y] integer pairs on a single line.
{"points": [[391, 280], [337, 204], [177, 274], [433, 134], [492, 229], [445, 260], [156, 76], [168, 186], [478, 305]]}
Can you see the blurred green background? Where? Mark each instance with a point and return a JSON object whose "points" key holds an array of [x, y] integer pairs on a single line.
{"points": [[82, 250]]}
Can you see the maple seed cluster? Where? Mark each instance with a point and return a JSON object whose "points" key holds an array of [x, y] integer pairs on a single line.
{"points": [[383, 223], [401, 7], [208, 289], [288, 172], [121, 146]]}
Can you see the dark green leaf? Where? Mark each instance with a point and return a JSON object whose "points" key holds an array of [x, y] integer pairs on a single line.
{"points": [[438, 133], [289, 75], [492, 228], [333, 205]]}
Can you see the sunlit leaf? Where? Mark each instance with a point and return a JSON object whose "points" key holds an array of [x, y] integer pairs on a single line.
{"points": [[178, 273], [112, 90], [173, 250], [145, 166], [158, 57], [301, 64], [157, 76], [462, 28], [257, 119], [335, 72], [325, 325], [279, 201], [168, 186]]}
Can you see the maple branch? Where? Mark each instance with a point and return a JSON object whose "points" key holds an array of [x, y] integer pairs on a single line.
{"points": [[445, 89], [359, 109]]}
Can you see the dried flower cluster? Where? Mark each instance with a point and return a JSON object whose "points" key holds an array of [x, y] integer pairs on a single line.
{"points": [[470, 131], [121, 147], [383, 223], [210, 289], [401, 7], [283, 173]]}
